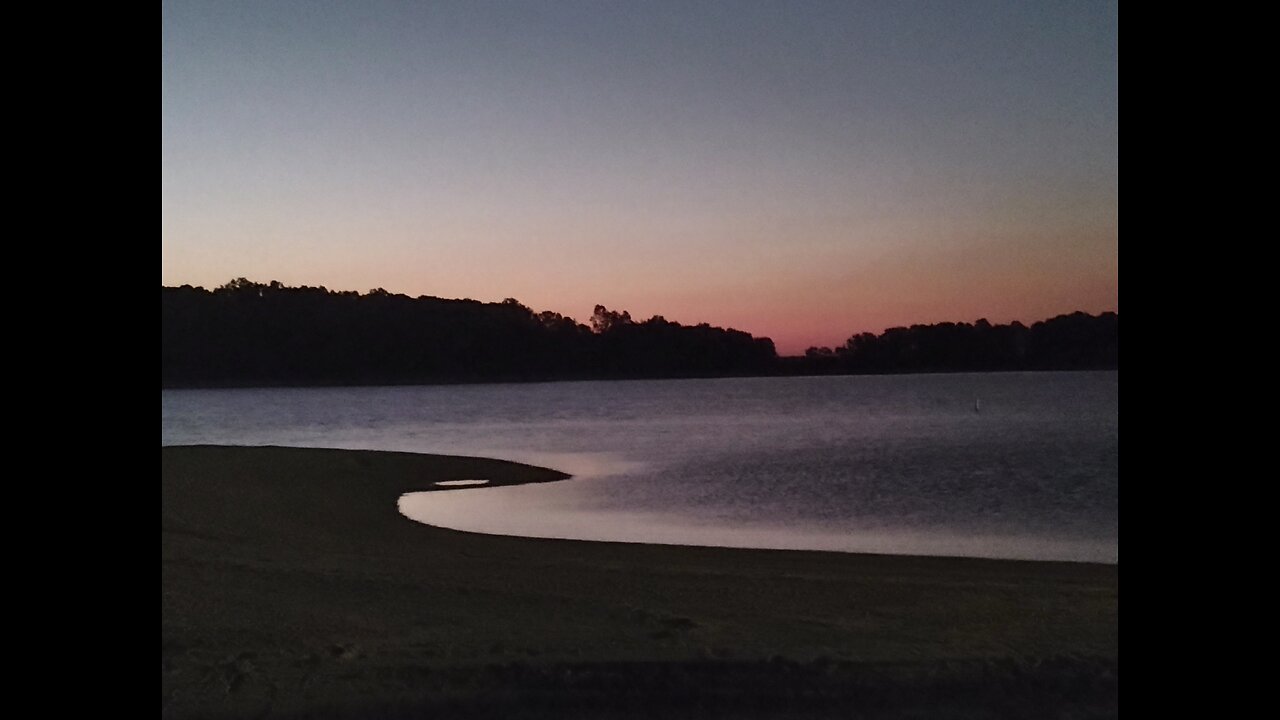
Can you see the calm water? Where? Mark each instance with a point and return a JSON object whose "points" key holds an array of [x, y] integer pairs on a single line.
{"points": [[900, 464]]}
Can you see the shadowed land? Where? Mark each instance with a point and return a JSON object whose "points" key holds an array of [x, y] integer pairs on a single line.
{"points": [[293, 588]]}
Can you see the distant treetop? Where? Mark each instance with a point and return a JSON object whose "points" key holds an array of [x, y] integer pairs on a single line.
{"points": [[248, 333]]}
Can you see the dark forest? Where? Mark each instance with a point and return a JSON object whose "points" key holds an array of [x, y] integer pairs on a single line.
{"points": [[248, 334]]}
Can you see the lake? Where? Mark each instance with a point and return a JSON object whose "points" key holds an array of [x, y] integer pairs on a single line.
{"points": [[1007, 465]]}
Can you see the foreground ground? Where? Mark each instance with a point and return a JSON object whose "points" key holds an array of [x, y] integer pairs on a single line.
{"points": [[293, 588]]}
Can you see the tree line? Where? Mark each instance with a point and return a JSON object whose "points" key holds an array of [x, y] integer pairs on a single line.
{"points": [[1078, 341], [247, 334]]}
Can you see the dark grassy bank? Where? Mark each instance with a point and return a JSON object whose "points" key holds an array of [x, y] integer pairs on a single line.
{"points": [[293, 588]]}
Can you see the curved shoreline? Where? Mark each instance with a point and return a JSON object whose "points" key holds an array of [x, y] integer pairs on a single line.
{"points": [[556, 516], [291, 583]]}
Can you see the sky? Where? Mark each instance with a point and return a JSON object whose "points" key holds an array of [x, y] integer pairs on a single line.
{"points": [[799, 170]]}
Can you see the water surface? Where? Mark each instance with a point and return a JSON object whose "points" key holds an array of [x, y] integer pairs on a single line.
{"points": [[1019, 465]]}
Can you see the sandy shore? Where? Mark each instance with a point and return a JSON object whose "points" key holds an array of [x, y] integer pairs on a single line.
{"points": [[292, 587]]}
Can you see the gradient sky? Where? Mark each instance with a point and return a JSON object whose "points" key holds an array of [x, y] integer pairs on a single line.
{"points": [[798, 170]]}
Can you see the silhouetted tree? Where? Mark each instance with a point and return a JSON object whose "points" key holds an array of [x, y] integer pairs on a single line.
{"points": [[248, 333], [602, 320]]}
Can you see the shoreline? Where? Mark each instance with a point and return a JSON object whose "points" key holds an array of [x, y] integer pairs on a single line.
{"points": [[291, 585], [480, 514], [545, 381]]}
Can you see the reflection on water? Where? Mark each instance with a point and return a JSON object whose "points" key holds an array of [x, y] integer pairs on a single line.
{"points": [[898, 464], [551, 511]]}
